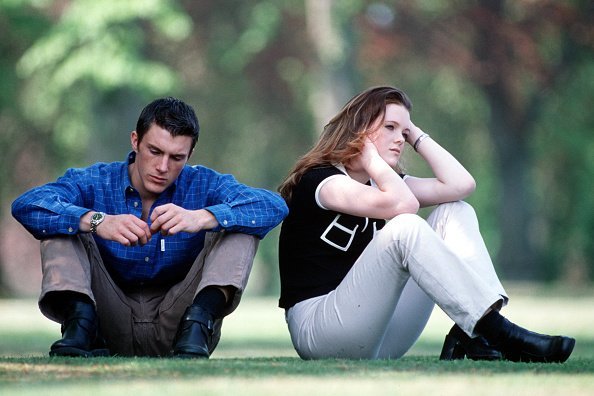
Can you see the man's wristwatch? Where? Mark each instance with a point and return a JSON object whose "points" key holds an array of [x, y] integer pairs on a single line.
{"points": [[96, 219]]}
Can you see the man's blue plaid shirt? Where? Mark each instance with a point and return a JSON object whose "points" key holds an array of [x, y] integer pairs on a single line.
{"points": [[56, 208]]}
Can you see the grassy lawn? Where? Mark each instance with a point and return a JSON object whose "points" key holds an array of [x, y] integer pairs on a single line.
{"points": [[255, 356]]}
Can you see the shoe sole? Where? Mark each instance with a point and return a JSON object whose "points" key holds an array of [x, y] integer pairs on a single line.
{"points": [[185, 355], [565, 351], [77, 352]]}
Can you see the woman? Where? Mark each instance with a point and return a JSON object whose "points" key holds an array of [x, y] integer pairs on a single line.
{"points": [[357, 286]]}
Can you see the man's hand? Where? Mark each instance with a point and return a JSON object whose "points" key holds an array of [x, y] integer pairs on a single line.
{"points": [[171, 219], [126, 229]]}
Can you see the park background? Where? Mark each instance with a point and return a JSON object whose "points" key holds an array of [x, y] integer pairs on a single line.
{"points": [[506, 86]]}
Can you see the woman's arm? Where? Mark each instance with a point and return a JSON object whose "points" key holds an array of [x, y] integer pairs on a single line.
{"points": [[352, 196], [452, 181]]}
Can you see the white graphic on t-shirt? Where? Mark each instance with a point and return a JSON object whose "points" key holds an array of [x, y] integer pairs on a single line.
{"points": [[336, 224], [341, 228]]}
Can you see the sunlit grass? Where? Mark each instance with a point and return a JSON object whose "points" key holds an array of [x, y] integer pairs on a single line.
{"points": [[255, 356]]}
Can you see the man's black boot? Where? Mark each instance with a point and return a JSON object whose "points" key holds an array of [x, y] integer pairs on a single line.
{"points": [[80, 333], [194, 334]]}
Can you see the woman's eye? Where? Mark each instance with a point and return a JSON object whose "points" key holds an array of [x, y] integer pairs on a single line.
{"points": [[390, 127], [405, 136]]}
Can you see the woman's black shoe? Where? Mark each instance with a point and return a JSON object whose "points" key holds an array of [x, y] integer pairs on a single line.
{"points": [[458, 345], [520, 345]]}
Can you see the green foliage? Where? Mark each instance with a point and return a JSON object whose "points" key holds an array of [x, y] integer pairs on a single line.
{"points": [[75, 74], [565, 170], [94, 47]]}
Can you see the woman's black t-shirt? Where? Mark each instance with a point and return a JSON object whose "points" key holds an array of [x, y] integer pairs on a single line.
{"points": [[318, 246]]}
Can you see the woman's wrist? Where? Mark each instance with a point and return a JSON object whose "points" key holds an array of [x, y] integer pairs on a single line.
{"points": [[419, 140]]}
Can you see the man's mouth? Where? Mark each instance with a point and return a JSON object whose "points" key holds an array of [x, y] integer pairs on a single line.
{"points": [[158, 180]]}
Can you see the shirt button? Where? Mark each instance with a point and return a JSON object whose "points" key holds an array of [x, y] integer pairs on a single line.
{"points": [[135, 204], [70, 229], [253, 221], [146, 259], [44, 231], [225, 222]]}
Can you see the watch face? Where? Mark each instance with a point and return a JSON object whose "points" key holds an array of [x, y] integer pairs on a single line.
{"points": [[97, 216]]}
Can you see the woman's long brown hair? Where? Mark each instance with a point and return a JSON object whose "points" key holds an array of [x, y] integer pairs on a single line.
{"points": [[342, 138]]}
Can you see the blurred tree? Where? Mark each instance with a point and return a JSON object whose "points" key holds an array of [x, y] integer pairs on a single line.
{"points": [[564, 172], [94, 47], [66, 52], [265, 75], [517, 53], [18, 28]]}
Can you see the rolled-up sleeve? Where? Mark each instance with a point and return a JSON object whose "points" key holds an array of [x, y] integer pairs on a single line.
{"points": [[51, 209], [245, 209]]}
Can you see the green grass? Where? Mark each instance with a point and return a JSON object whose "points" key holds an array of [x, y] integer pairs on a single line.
{"points": [[255, 356]]}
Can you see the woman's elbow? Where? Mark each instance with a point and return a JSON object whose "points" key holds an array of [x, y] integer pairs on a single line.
{"points": [[390, 208], [467, 187], [410, 206]]}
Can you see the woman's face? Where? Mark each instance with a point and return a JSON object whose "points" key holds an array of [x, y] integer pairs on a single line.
{"points": [[391, 133]]}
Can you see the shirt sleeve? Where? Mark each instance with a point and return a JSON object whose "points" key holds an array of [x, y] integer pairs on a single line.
{"points": [[249, 210], [51, 209]]}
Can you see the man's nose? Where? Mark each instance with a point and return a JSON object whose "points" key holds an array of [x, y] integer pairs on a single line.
{"points": [[163, 164]]}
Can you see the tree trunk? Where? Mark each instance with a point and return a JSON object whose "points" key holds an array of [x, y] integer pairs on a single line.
{"points": [[330, 85], [517, 256]]}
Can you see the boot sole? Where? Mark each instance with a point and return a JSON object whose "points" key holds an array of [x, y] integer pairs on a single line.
{"points": [[565, 351], [77, 352]]}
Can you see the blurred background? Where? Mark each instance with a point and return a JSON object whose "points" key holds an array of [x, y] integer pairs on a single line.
{"points": [[506, 86]]}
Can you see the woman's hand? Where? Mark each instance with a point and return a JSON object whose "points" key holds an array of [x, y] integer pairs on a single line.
{"points": [[369, 153], [452, 181], [353, 195], [414, 134], [363, 163]]}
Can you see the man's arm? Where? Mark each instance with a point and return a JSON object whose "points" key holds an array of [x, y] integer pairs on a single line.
{"points": [[171, 219], [240, 208], [51, 209], [125, 229]]}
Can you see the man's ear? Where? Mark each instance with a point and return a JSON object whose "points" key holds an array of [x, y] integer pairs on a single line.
{"points": [[134, 140]]}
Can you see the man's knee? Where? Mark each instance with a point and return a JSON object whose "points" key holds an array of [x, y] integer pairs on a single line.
{"points": [[234, 246]]}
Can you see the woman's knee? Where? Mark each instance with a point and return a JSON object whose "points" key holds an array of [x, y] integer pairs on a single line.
{"points": [[462, 207], [404, 222], [402, 228]]}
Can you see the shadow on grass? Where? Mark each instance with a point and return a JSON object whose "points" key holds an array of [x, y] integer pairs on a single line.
{"points": [[64, 369], [41, 370]]}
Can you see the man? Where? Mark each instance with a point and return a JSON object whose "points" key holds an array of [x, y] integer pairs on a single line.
{"points": [[145, 257]]}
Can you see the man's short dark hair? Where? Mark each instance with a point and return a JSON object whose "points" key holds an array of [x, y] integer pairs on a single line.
{"points": [[171, 114]]}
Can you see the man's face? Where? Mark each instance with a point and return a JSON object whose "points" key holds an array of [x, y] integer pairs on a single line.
{"points": [[160, 158]]}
